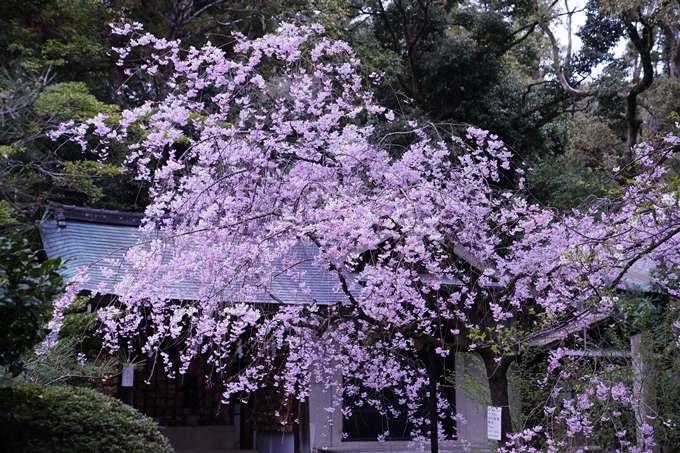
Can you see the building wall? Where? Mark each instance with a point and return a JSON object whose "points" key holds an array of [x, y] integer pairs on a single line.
{"points": [[325, 426], [471, 395]]}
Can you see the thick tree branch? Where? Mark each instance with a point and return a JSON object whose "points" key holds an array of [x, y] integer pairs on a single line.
{"points": [[530, 29], [544, 23]]}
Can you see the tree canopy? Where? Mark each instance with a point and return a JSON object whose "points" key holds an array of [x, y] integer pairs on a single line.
{"points": [[474, 185], [254, 155]]}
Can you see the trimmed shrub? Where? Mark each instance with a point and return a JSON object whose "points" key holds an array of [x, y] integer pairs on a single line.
{"points": [[41, 419]]}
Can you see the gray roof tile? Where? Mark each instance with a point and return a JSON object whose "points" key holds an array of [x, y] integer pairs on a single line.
{"points": [[81, 244]]}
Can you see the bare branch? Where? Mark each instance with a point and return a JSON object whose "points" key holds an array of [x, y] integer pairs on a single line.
{"points": [[543, 22]]}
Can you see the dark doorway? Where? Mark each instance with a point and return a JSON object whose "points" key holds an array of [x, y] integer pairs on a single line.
{"points": [[367, 422]]}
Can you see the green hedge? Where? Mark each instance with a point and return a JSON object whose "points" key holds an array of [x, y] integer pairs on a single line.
{"points": [[40, 419]]}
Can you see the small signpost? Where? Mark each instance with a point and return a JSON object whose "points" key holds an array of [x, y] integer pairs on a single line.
{"points": [[493, 423], [128, 376]]}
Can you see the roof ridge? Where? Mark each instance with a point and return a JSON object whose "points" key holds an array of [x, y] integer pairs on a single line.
{"points": [[96, 215]]}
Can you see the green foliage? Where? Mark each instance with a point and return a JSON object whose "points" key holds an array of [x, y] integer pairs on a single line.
{"points": [[73, 420], [563, 182], [68, 35], [583, 173], [457, 68], [79, 326], [649, 315], [62, 364], [610, 105], [84, 174], [468, 377], [6, 215], [27, 288], [445, 65], [18, 91], [598, 35], [35, 168], [465, 63], [70, 101], [531, 367], [662, 99], [77, 359]]}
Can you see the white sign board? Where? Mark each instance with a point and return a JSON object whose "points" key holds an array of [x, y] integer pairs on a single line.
{"points": [[493, 423], [128, 376]]}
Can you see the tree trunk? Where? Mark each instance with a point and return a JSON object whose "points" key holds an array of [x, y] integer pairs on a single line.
{"points": [[633, 122], [497, 376], [644, 45], [117, 75], [674, 60], [673, 44]]}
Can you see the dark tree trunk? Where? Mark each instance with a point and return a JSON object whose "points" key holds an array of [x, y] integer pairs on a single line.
{"points": [[674, 60], [497, 376], [633, 122], [117, 75], [644, 45], [673, 44]]}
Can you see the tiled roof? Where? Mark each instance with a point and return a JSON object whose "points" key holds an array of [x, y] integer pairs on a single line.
{"points": [[638, 277], [82, 244], [94, 238], [93, 244]]}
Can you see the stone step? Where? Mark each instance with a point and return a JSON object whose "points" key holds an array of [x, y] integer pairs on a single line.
{"points": [[204, 451], [201, 439], [215, 451], [404, 447]]}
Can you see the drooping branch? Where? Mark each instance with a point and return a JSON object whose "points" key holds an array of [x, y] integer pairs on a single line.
{"points": [[507, 261]]}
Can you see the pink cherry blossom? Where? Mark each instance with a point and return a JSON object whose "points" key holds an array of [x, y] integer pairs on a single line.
{"points": [[258, 179]]}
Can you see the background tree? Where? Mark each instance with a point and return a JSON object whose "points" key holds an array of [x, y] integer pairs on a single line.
{"points": [[649, 28], [27, 289], [34, 168], [461, 62], [67, 36]]}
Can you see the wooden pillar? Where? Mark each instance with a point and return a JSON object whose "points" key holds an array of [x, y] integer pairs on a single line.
{"points": [[644, 379], [434, 415], [303, 442]]}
